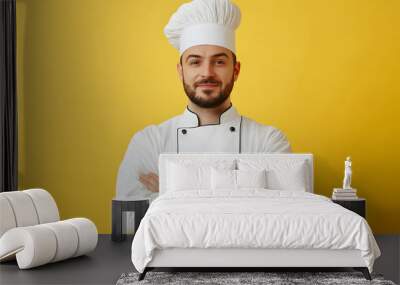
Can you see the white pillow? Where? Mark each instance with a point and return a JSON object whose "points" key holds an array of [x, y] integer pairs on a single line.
{"points": [[237, 179], [185, 175], [290, 179], [223, 179], [251, 178], [282, 174]]}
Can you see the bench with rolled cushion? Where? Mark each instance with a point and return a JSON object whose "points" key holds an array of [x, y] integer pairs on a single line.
{"points": [[31, 231]]}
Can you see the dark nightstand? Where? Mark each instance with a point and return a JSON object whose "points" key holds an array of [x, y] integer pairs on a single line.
{"points": [[357, 206], [118, 208]]}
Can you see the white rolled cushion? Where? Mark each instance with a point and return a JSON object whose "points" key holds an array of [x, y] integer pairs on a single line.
{"points": [[7, 218], [223, 179], [251, 178], [40, 244], [23, 208], [33, 246], [67, 239], [45, 205], [282, 174], [87, 234]]}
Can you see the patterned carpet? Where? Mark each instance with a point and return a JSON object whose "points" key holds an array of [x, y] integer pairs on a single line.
{"points": [[243, 278]]}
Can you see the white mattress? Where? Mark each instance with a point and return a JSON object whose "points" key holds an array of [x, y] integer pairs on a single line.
{"points": [[250, 219]]}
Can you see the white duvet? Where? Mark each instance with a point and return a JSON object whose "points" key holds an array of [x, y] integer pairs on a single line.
{"points": [[251, 218]]}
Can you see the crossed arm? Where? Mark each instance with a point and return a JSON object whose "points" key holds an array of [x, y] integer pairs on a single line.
{"points": [[150, 181]]}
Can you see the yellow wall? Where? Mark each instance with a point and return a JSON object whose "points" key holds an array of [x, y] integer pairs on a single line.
{"points": [[91, 73]]}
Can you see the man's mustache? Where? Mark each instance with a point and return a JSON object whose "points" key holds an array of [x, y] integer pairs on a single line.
{"points": [[207, 81]]}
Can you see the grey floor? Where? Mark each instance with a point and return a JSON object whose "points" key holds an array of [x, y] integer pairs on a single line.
{"points": [[110, 260]]}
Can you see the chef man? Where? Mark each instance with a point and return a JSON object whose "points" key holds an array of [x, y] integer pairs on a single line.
{"points": [[203, 31]]}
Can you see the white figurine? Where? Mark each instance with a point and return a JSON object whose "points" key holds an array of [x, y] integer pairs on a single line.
{"points": [[347, 174]]}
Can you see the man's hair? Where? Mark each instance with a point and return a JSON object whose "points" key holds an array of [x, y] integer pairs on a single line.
{"points": [[233, 56]]}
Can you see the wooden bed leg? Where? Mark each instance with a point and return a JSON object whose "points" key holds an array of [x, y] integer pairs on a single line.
{"points": [[364, 271], [143, 274]]}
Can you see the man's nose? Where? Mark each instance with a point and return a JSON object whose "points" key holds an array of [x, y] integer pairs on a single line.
{"points": [[207, 69]]}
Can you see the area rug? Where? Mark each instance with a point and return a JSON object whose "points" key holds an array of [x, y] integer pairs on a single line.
{"points": [[244, 278]]}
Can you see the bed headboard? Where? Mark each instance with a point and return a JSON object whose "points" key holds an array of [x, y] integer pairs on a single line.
{"points": [[166, 157]]}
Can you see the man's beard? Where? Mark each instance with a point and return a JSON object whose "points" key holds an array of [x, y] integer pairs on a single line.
{"points": [[208, 102]]}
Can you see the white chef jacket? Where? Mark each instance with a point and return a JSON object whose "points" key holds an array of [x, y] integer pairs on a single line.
{"points": [[233, 134]]}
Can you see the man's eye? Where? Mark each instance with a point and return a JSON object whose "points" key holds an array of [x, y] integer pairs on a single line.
{"points": [[220, 62], [194, 62]]}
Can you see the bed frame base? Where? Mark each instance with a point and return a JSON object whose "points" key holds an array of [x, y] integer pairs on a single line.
{"points": [[250, 259], [364, 270]]}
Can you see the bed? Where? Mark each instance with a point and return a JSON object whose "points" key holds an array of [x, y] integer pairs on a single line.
{"points": [[244, 211]]}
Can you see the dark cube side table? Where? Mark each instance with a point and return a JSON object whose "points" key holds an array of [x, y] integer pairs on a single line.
{"points": [[358, 206], [118, 208]]}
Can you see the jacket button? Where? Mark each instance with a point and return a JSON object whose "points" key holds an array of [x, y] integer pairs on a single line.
{"points": [[184, 131], [232, 129]]}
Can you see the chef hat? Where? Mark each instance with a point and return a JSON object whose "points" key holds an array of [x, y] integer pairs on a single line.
{"points": [[203, 22]]}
